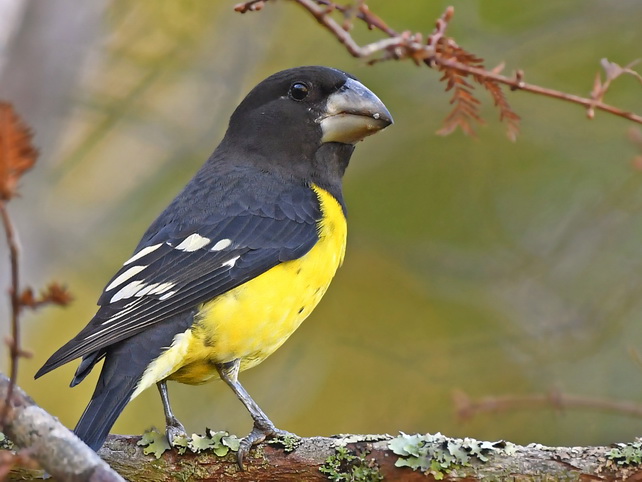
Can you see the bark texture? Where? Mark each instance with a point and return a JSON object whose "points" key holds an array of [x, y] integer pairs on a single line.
{"points": [[340, 458]]}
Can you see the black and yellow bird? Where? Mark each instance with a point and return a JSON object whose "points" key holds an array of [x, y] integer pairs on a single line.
{"points": [[238, 259]]}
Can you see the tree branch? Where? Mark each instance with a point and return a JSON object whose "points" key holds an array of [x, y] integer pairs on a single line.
{"points": [[58, 450], [340, 458]]}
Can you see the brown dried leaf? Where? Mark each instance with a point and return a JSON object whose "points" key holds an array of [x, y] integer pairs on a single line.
{"points": [[506, 113], [56, 294], [17, 154], [27, 298], [465, 105]]}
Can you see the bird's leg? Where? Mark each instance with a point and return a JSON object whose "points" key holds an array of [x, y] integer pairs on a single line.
{"points": [[263, 427], [174, 429]]}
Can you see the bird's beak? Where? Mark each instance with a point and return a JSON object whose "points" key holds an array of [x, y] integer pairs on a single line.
{"points": [[352, 113]]}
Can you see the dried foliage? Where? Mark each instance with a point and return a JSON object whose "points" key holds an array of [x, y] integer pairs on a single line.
{"points": [[54, 294], [17, 154], [461, 70], [465, 104], [465, 110]]}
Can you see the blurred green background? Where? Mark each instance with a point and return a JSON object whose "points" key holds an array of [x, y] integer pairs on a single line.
{"points": [[479, 265]]}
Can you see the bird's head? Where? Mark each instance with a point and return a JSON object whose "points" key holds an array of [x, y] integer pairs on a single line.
{"points": [[294, 115]]}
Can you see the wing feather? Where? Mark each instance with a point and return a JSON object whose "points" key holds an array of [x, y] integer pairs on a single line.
{"points": [[177, 280]]}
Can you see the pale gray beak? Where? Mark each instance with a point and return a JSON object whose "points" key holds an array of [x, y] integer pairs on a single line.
{"points": [[352, 113]]}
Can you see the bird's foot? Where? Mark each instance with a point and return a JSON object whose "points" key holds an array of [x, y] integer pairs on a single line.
{"points": [[262, 430], [176, 434]]}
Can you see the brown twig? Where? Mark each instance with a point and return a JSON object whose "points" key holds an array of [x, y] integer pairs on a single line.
{"points": [[14, 295], [404, 45], [466, 407], [517, 83], [17, 156]]}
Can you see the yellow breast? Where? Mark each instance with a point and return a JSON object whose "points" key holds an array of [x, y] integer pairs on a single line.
{"points": [[251, 321]]}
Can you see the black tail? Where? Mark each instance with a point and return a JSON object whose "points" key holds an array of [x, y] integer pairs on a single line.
{"points": [[125, 363], [104, 408], [124, 366]]}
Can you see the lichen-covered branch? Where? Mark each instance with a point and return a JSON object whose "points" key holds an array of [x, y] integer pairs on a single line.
{"points": [[363, 458], [371, 458]]}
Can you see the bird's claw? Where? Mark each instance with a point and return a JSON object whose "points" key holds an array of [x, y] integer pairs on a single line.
{"points": [[259, 433], [175, 432]]}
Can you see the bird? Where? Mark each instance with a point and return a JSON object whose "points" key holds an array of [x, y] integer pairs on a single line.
{"points": [[239, 258]]}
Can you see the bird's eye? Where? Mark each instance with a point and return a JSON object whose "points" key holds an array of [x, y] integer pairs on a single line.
{"points": [[299, 91]]}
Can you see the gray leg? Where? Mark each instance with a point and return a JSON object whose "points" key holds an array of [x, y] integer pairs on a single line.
{"points": [[263, 427], [174, 428]]}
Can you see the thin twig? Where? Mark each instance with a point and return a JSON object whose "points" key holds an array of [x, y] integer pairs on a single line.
{"points": [[403, 45], [516, 83], [14, 294], [466, 408]]}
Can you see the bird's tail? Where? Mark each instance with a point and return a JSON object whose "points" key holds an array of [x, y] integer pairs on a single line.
{"points": [[105, 406], [125, 364]]}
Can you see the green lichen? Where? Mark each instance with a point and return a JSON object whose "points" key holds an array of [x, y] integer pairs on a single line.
{"points": [[220, 443], [437, 454], [626, 454], [288, 442], [346, 466], [5, 443]]}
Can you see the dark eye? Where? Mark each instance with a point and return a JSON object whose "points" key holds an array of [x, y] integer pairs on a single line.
{"points": [[299, 91]]}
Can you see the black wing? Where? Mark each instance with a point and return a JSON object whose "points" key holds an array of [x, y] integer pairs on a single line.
{"points": [[180, 267]]}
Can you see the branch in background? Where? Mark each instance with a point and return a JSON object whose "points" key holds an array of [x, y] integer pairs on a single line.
{"points": [[456, 64], [467, 408], [17, 156]]}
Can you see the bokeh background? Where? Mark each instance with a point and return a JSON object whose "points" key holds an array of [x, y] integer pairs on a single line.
{"points": [[474, 265]]}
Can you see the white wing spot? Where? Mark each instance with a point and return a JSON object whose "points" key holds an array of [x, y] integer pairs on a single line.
{"points": [[128, 291], [167, 295], [133, 271], [161, 288], [222, 244], [143, 252], [231, 262], [146, 290], [193, 242]]}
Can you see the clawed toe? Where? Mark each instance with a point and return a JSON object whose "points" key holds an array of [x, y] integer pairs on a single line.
{"points": [[175, 431], [258, 434]]}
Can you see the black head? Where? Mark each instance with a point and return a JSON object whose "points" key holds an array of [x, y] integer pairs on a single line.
{"points": [[298, 119]]}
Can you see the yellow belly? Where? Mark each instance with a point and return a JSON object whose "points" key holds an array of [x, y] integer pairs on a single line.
{"points": [[251, 321]]}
